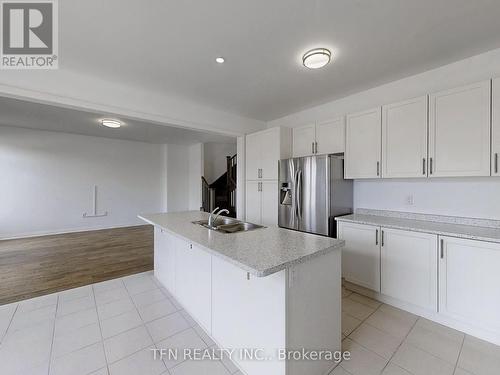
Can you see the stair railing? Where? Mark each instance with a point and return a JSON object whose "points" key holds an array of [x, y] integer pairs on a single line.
{"points": [[231, 181]]}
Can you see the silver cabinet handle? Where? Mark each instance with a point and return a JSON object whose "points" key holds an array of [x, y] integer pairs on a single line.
{"points": [[423, 166], [312, 146], [441, 245], [376, 237], [430, 166], [315, 147], [496, 162], [378, 168], [382, 241]]}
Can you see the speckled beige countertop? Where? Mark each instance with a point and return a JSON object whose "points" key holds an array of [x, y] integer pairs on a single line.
{"points": [[434, 224], [261, 252]]}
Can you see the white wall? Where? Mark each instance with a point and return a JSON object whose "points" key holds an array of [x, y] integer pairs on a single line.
{"points": [[46, 181], [195, 172], [215, 159], [177, 178], [474, 197], [469, 197]]}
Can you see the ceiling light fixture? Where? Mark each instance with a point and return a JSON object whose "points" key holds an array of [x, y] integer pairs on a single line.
{"points": [[220, 60], [316, 58], [110, 123]]}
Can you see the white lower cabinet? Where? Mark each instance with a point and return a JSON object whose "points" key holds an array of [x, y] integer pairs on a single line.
{"points": [[193, 279], [361, 254], [262, 202], [292, 309], [409, 267], [469, 281], [164, 258], [253, 202]]}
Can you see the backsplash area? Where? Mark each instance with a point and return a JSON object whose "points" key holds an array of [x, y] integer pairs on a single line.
{"points": [[465, 197]]}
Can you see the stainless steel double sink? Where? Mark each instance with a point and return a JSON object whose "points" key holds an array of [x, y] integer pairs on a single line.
{"points": [[228, 225]]}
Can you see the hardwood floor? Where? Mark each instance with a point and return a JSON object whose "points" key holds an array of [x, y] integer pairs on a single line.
{"points": [[35, 266]]}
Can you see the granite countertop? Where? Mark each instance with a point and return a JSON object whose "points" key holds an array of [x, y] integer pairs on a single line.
{"points": [[261, 252], [456, 229]]}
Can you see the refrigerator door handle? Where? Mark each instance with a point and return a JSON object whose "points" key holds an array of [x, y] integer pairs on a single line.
{"points": [[294, 195], [299, 195]]}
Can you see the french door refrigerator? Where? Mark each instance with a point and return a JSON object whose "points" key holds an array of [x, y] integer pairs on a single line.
{"points": [[312, 192]]}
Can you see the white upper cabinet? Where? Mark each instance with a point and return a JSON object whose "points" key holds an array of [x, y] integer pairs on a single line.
{"points": [[404, 139], [469, 280], [304, 138], [459, 131], [323, 138], [409, 267], [363, 144], [495, 129], [253, 157], [263, 150], [330, 136]]}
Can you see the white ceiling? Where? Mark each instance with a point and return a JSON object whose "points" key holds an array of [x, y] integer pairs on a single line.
{"points": [[170, 46], [19, 113]]}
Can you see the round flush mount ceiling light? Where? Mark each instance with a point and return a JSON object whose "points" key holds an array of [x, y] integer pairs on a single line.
{"points": [[220, 60], [111, 123], [316, 58]]}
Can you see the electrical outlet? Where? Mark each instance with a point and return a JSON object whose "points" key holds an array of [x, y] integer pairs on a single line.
{"points": [[409, 200]]}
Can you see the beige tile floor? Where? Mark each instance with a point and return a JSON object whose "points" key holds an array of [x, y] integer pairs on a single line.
{"points": [[102, 329], [109, 328], [385, 340]]}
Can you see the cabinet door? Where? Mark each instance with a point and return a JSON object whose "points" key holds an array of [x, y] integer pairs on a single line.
{"points": [[253, 202], [495, 128], [469, 280], [404, 139], [330, 136], [160, 269], [459, 131], [361, 254], [194, 282], [252, 156], [409, 267], [270, 153], [363, 144], [171, 244], [303, 140], [269, 199]]}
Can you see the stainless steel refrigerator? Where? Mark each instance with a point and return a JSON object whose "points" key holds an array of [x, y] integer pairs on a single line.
{"points": [[312, 192]]}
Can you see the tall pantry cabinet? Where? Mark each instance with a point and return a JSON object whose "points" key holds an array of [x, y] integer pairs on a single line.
{"points": [[263, 151]]}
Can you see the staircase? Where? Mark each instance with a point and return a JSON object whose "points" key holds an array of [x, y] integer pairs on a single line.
{"points": [[222, 192]]}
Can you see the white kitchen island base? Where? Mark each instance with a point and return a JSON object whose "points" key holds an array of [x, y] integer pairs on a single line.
{"points": [[296, 309]]}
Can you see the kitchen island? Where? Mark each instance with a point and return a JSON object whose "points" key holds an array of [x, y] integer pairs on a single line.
{"points": [[265, 290]]}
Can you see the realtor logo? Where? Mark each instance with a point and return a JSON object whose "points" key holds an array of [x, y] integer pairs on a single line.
{"points": [[29, 34]]}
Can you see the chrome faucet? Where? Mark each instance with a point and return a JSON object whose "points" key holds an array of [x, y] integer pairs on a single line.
{"points": [[212, 219]]}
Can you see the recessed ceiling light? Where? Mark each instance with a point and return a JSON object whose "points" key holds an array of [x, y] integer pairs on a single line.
{"points": [[220, 60], [110, 123], [316, 58]]}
